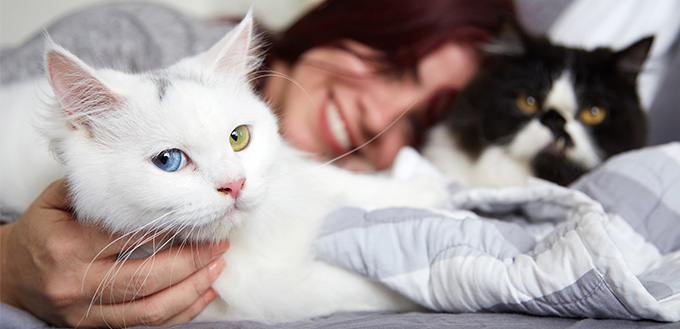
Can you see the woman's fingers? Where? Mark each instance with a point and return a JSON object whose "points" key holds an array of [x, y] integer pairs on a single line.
{"points": [[194, 310], [178, 303], [120, 281]]}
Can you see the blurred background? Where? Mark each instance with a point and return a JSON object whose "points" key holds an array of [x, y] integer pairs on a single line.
{"points": [[20, 19]]}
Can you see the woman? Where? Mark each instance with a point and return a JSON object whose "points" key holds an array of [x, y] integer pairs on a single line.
{"points": [[373, 62], [368, 74]]}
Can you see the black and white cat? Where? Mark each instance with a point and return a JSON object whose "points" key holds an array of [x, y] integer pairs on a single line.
{"points": [[540, 110], [190, 150]]}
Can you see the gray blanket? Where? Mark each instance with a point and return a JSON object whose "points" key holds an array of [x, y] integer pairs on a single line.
{"points": [[130, 37], [543, 249]]}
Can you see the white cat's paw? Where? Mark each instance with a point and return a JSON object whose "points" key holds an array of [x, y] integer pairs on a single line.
{"points": [[427, 192], [420, 192]]}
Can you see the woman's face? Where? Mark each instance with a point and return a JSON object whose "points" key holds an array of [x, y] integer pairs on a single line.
{"points": [[339, 100]]}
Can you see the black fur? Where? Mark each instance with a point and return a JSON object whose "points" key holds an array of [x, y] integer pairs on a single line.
{"points": [[485, 113]]}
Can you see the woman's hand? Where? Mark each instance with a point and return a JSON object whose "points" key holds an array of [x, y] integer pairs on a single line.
{"points": [[52, 267]]}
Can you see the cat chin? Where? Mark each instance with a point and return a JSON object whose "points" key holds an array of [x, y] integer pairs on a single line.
{"points": [[219, 229], [560, 159], [184, 225], [559, 163], [212, 232], [534, 152], [554, 165]]}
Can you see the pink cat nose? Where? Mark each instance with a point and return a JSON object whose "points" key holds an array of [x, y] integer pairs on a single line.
{"points": [[233, 188]]}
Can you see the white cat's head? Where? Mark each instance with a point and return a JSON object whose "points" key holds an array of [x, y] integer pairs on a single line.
{"points": [[185, 149]]}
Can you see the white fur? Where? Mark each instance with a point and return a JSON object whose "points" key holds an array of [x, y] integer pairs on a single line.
{"points": [[509, 165], [106, 142], [25, 167], [494, 168]]}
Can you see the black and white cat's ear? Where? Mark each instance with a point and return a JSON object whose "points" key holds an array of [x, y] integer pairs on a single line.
{"points": [[630, 60], [75, 86], [234, 53], [511, 40]]}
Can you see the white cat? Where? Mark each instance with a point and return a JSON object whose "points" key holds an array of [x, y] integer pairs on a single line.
{"points": [[192, 150]]}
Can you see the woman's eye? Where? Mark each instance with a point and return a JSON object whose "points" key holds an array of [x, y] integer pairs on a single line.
{"points": [[411, 74], [170, 160], [593, 116], [526, 103], [239, 138]]}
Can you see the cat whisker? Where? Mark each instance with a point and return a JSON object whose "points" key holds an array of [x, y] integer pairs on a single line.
{"points": [[329, 162], [109, 277], [374, 137], [165, 241], [126, 253], [268, 74], [176, 227], [181, 245], [128, 235], [149, 260], [355, 149], [112, 273]]}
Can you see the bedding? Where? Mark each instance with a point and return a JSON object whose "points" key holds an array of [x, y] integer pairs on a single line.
{"points": [[11, 318], [542, 249]]}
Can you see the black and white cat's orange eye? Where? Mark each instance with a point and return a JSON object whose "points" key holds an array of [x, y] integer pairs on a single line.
{"points": [[239, 138], [526, 103], [592, 116]]}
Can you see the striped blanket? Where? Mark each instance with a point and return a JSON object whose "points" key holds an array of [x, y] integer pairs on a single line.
{"points": [[608, 247]]}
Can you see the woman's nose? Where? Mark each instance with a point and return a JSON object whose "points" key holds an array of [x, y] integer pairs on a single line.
{"points": [[385, 105]]}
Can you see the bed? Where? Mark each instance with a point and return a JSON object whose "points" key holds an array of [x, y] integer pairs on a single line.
{"points": [[604, 253]]}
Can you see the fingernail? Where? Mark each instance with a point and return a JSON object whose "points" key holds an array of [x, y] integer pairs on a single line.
{"points": [[210, 295], [216, 267]]}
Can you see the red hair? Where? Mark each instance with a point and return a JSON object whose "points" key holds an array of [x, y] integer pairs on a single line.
{"points": [[404, 31]]}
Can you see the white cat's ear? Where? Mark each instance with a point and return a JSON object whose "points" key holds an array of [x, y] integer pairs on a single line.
{"points": [[77, 89], [234, 53]]}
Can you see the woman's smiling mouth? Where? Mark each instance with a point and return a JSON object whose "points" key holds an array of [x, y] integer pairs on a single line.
{"points": [[334, 128], [337, 125]]}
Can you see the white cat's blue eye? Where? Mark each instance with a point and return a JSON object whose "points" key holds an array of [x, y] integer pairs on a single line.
{"points": [[169, 160]]}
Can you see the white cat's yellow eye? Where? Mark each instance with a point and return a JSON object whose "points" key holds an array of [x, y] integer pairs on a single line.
{"points": [[239, 138], [526, 103], [593, 116]]}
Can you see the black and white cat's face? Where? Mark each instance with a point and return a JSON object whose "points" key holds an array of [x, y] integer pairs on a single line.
{"points": [[559, 111], [186, 149]]}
